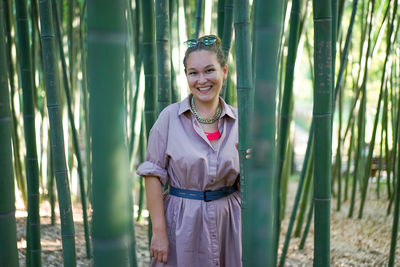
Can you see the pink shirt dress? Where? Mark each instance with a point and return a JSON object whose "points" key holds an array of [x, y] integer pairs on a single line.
{"points": [[200, 233]]}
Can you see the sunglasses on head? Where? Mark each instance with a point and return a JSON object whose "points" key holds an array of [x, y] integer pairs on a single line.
{"points": [[207, 40]]}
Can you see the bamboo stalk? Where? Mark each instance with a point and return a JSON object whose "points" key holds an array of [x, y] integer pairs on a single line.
{"points": [[296, 200], [163, 54], [284, 114], [175, 42], [245, 95], [18, 164], [262, 181], [74, 134], [220, 17], [32, 171], [57, 137], [395, 226], [308, 225], [305, 195], [149, 58], [199, 18], [226, 43], [142, 156], [8, 233], [322, 119], [110, 164]]}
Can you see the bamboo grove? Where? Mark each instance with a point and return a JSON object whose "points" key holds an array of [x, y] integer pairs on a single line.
{"points": [[82, 82]]}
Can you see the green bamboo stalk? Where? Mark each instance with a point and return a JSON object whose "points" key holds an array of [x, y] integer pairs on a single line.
{"points": [[306, 194], [199, 18], [227, 30], [18, 164], [344, 56], [395, 226], [296, 200], [50, 188], [71, 42], [349, 153], [107, 38], [322, 113], [85, 103], [287, 168], [56, 131], [226, 43], [387, 156], [285, 110], [220, 17], [32, 171], [175, 42], [380, 163], [136, 39], [142, 156], [74, 134], [396, 137], [262, 181], [149, 58], [8, 233], [245, 95], [339, 152], [188, 21], [307, 227], [130, 93], [334, 13], [358, 152], [163, 54]]}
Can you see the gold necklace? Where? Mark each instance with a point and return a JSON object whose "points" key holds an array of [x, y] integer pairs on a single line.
{"points": [[205, 120]]}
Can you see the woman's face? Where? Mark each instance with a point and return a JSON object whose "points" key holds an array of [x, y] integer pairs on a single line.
{"points": [[205, 75]]}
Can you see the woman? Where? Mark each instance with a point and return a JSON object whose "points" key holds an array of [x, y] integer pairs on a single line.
{"points": [[192, 149]]}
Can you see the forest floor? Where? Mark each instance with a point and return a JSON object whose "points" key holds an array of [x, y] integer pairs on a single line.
{"points": [[354, 242]]}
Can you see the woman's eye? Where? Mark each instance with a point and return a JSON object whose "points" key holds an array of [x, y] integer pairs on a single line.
{"points": [[192, 73], [209, 70]]}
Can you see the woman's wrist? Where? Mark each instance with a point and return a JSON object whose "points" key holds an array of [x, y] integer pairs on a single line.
{"points": [[160, 229]]}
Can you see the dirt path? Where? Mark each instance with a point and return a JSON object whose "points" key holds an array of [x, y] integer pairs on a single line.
{"points": [[354, 242]]}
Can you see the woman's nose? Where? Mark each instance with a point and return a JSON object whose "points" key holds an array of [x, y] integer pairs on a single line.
{"points": [[202, 78]]}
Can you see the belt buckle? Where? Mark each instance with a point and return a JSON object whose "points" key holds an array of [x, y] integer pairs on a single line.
{"points": [[205, 196]]}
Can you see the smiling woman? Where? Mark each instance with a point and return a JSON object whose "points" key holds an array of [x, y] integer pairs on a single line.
{"points": [[192, 150]]}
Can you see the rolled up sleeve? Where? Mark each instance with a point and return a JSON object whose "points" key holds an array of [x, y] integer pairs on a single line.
{"points": [[156, 157]]}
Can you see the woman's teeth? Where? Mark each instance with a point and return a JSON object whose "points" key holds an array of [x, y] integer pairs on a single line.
{"points": [[204, 89]]}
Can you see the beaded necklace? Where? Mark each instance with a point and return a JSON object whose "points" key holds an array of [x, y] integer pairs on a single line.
{"points": [[205, 120]]}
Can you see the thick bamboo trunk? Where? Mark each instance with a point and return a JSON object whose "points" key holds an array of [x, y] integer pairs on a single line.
{"points": [[107, 37], [322, 113], [262, 203]]}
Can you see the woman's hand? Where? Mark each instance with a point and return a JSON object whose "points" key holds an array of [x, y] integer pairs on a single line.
{"points": [[248, 151], [159, 246], [159, 242]]}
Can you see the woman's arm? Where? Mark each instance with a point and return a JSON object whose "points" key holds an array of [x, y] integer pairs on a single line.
{"points": [[159, 242]]}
